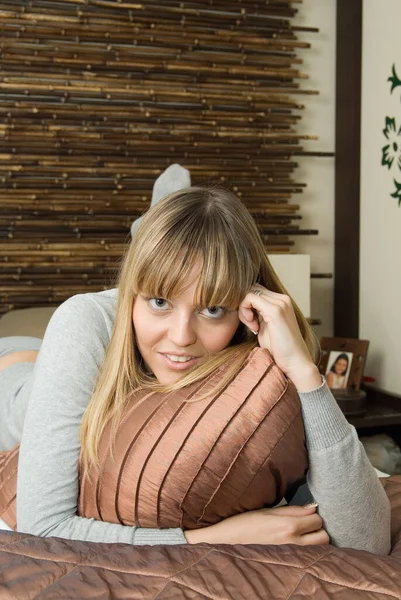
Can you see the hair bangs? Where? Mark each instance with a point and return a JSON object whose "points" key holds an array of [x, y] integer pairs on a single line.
{"points": [[164, 277], [216, 288], [225, 274], [164, 268]]}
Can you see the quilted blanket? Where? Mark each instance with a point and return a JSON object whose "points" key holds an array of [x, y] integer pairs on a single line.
{"points": [[53, 568]]}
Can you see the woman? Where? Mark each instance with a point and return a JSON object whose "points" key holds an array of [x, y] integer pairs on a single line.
{"points": [[336, 376], [195, 288]]}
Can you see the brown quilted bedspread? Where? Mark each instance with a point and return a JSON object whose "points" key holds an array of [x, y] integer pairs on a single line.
{"points": [[52, 568]]}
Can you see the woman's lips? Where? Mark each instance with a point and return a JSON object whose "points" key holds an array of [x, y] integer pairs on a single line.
{"points": [[180, 366]]}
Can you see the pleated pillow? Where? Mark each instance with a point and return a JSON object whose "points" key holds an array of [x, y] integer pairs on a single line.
{"points": [[8, 486], [179, 462]]}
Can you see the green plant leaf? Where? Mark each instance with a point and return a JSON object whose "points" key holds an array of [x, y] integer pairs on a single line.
{"points": [[392, 151], [387, 159], [396, 82], [390, 126], [397, 193]]}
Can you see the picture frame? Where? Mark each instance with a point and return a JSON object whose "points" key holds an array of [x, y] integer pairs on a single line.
{"points": [[342, 361]]}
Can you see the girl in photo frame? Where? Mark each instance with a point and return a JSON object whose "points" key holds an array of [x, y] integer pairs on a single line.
{"points": [[336, 376], [195, 290]]}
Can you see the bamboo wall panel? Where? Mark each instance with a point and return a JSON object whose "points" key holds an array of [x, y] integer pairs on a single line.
{"points": [[97, 98]]}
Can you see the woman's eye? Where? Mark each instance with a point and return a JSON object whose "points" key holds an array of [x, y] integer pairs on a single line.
{"points": [[158, 303], [214, 312]]}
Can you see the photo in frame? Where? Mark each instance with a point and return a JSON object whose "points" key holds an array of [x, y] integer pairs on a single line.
{"points": [[342, 362]]}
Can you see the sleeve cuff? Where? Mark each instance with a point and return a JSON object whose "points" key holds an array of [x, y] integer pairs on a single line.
{"points": [[324, 422], [158, 537]]}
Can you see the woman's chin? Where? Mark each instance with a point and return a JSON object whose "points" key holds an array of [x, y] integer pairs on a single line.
{"points": [[170, 377]]}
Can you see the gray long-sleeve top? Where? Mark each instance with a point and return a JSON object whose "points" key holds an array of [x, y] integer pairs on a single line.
{"points": [[352, 502]]}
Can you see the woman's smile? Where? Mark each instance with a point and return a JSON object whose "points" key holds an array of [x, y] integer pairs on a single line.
{"points": [[180, 362]]}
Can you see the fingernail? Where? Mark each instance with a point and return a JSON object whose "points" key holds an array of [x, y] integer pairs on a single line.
{"points": [[254, 332], [311, 505]]}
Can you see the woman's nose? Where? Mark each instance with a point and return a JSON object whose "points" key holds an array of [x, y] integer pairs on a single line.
{"points": [[182, 331]]}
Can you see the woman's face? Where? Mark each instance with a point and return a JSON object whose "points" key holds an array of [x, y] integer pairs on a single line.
{"points": [[341, 366], [174, 335]]}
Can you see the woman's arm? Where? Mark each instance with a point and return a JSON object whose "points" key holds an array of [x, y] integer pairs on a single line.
{"points": [[299, 525], [352, 502], [65, 373], [353, 506]]}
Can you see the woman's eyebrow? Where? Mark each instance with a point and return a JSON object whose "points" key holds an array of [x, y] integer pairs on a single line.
{"points": [[151, 295], [211, 304]]}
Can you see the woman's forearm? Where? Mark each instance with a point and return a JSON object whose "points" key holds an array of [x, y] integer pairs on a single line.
{"points": [[307, 379], [352, 501], [91, 530]]}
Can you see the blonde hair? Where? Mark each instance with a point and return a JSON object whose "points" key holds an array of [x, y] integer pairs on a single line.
{"points": [[199, 225]]}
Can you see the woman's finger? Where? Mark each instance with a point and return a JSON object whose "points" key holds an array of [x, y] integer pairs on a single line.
{"points": [[262, 300], [265, 307], [247, 314], [273, 296], [251, 323], [292, 510], [309, 523], [315, 539]]}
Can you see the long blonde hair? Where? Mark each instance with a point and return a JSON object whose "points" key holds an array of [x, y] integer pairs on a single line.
{"points": [[199, 225]]}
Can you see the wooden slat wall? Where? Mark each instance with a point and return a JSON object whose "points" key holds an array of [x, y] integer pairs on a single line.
{"points": [[97, 98]]}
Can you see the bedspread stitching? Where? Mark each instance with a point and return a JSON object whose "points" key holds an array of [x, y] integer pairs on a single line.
{"points": [[182, 571], [273, 562], [348, 587]]}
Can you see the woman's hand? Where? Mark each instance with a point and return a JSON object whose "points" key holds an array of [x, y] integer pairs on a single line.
{"points": [[278, 332], [282, 525]]}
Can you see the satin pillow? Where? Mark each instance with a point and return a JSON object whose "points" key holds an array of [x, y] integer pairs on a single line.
{"points": [[179, 462], [8, 486]]}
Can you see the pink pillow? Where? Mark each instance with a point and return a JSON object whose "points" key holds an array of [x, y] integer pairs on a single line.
{"points": [[184, 463]]}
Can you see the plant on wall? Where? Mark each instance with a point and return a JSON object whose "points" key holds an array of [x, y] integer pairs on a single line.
{"points": [[391, 152]]}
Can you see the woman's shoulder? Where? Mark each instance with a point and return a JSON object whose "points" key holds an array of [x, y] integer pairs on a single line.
{"points": [[91, 308], [89, 316], [102, 305], [105, 299]]}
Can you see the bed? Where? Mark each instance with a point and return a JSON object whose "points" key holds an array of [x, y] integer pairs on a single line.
{"points": [[53, 568], [50, 568]]}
